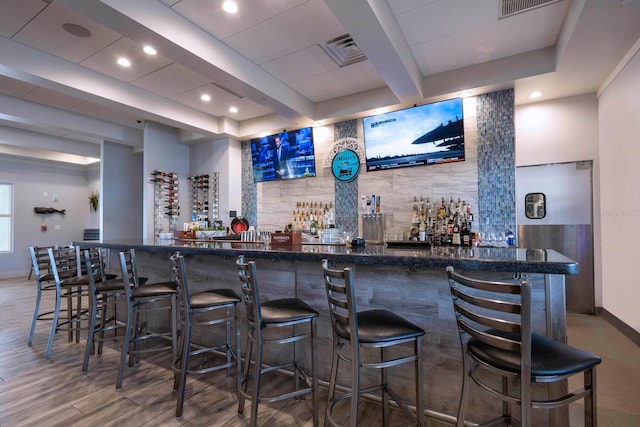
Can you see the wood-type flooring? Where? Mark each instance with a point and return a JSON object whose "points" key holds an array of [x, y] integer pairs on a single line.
{"points": [[39, 392]]}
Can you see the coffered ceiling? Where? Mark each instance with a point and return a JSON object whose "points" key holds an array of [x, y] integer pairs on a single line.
{"points": [[62, 90]]}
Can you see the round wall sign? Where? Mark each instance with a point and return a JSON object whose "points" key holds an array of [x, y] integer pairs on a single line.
{"points": [[345, 165]]}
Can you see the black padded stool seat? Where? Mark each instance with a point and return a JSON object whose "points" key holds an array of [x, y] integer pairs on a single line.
{"points": [[209, 308], [294, 320], [286, 310], [214, 297], [153, 289], [380, 326], [499, 348], [375, 330], [548, 357], [84, 279]]}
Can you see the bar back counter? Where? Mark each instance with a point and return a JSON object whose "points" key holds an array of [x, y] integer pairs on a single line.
{"points": [[410, 281]]}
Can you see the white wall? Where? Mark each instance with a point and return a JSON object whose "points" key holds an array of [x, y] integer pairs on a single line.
{"points": [[163, 152], [559, 131], [40, 183], [225, 157], [121, 192], [619, 130], [93, 184]]}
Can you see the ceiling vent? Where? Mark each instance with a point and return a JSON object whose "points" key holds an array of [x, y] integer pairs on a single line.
{"points": [[226, 89], [343, 50], [513, 7]]}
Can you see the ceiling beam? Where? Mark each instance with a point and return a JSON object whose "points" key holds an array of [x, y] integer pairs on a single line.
{"points": [[376, 32], [65, 123]]}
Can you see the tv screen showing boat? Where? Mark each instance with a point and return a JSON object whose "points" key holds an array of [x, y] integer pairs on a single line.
{"points": [[422, 135], [284, 155]]}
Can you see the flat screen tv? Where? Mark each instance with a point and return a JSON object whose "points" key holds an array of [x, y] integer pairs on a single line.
{"points": [[285, 155], [422, 135]]}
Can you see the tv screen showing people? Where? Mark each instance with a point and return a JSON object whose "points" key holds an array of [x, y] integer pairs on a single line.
{"points": [[422, 135], [284, 155]]}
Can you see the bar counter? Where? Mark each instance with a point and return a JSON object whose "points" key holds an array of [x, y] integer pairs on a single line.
{"points": [[501, 259], [410, 280]]}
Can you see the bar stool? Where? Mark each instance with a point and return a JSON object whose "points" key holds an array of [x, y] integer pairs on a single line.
{"points": [[498, 346], [103, 297], [41, 268], [192, 310], [371, 329], [65, 270], [263, 318], [141, 300]]}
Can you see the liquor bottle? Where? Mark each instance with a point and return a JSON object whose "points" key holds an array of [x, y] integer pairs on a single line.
{"points": [[455, 237], [466, 234]]}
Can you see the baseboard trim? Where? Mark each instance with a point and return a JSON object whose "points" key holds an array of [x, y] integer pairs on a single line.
{"points": [[625, 329]]}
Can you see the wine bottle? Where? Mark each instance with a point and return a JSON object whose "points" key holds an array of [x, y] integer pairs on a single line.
{"points": [[163, 181]]}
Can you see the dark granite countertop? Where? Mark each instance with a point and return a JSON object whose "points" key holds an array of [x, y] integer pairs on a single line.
{"points": [[501, 259]]}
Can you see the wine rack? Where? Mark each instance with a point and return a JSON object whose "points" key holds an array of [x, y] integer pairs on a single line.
{"points": [[166, 208], [204, 197]]}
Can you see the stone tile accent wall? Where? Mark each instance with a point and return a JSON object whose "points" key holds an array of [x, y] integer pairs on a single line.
{"points": [[496, 162], [249, 195], [346, 193]]}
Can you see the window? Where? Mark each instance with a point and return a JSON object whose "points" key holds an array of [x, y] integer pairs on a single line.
{"points": [[535, 205], [6, 217]]}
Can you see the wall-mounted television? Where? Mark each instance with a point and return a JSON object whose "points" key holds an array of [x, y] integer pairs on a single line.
{"points": [[423, 135], [284, 155]]}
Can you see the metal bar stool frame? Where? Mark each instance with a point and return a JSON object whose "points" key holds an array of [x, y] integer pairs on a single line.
{"points": [[70, 285], [41, 268], [275, 315], [191, 308], [372, 329], [143, 299], [102, 304], [495, 327]]}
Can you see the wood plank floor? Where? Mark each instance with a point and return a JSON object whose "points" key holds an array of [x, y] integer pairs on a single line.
{"points": [[37, 392]]}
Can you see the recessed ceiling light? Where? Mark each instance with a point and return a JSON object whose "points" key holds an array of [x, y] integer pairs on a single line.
{"points": [[536, 94], [124, 62], [205, 97], [233, 110], [230, 6], [149, 50]]}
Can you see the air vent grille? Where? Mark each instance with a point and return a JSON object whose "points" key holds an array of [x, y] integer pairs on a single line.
{"points": [[226, 89], [513, 7], [343, 50]]}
